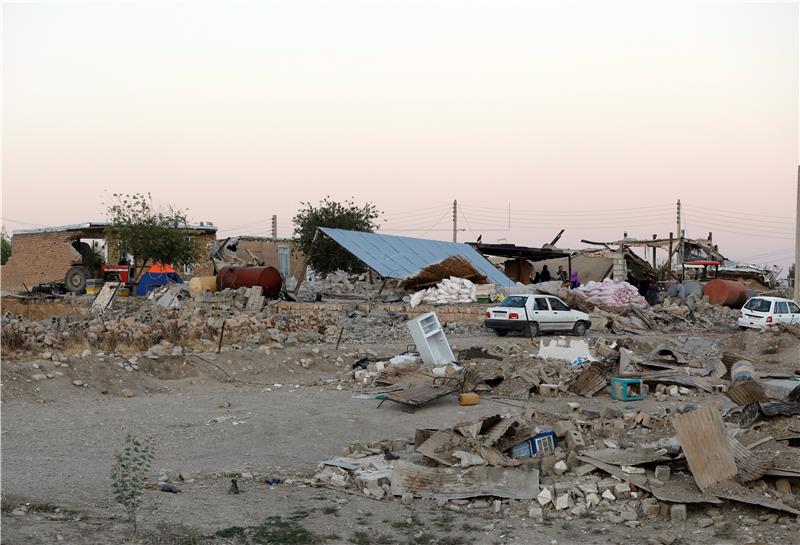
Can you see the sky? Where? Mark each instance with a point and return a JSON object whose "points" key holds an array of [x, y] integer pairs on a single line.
{"points": [[593, 117]]}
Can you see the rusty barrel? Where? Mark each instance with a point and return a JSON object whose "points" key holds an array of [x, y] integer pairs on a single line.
{"points": [[268, 278], [725, 292]]}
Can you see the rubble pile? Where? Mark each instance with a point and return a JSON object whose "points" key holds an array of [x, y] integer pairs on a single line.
{"points": [[623, 466], [343, 285]]}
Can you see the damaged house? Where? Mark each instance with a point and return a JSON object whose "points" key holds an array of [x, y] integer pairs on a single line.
{"points": [[45, 255]]}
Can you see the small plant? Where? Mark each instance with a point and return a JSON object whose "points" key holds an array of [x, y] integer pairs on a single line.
{"points": [[129, 472]]}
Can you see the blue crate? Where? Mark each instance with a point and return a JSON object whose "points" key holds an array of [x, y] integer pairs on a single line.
{"points": [[626, 389], [544, 443]]}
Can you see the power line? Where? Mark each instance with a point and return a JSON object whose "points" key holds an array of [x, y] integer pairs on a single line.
{"points": [[740, 217], [738, 213]]}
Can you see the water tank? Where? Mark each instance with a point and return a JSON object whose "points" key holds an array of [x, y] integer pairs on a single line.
{"points": [[726, 292], [203, 283], [268, 278]]}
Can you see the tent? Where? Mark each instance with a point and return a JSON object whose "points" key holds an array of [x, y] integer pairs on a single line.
{"points": [[156, 276]]}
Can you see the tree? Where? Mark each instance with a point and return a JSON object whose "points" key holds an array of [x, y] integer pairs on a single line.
{"points": [[129, 473], [5, 249], [327, 255], [149, 235]]}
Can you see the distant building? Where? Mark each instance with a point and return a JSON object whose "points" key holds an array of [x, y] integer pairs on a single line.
{"points": [[272, 252], [44, 255]]}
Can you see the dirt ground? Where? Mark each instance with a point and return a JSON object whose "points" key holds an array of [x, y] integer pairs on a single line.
{"points": [[58, 441]]}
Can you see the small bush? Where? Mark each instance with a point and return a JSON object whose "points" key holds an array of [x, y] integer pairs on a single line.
{"points": [[129, 473]]}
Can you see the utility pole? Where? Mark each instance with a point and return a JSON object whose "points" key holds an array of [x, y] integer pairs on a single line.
{"points": [[455, 221], [680, 237], [797, 241], [274, 227]]}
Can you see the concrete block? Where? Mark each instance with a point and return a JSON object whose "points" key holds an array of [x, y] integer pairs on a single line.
{"points": [[677, 513], [622, 490], [662, 473], [650, 507], [563, 427], [560, 468], [575, 440]]}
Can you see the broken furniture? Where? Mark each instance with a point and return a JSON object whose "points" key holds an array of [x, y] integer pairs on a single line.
{"points": [[431, 342]]}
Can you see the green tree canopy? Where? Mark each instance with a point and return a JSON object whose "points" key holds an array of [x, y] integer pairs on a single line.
{"points": [[328, 256], [5, 249], [149, 235]]}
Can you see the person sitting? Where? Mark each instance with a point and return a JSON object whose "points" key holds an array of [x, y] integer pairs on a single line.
{"points": [[574, 282], [561, 274], [545, 275]]}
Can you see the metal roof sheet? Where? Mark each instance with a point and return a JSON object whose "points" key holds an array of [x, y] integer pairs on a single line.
{"points": [[399, 257]]}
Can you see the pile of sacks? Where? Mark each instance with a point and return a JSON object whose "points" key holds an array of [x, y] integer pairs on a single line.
{"points": [[613, 294], [448, 291]]}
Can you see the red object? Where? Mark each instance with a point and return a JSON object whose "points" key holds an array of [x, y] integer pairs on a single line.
{"points": [[769, 319], [488, 314], [726, 292], [122, 271], [513, 316], [702, 263], [268, 278]]}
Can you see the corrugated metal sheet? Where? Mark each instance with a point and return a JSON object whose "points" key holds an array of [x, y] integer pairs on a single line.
{"points": [[398, 257], [706, 446]]}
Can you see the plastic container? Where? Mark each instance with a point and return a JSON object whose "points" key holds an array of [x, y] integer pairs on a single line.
{"points": [[726, 292], [203, 283], [268, 278], [742, 370], [469, 399]]}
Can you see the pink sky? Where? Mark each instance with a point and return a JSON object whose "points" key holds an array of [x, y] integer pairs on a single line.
{"points": [[595, 117]]}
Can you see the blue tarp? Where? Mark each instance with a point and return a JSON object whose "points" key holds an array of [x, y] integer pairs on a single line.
{"points": [[397, 257], [151, 280]]}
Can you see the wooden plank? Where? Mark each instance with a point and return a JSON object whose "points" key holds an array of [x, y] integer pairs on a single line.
{"points": [[749, 465], [706, 446], [590, 381]]}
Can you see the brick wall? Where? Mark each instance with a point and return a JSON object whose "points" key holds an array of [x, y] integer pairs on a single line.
{"points": [[267, 251], [38, 258]]}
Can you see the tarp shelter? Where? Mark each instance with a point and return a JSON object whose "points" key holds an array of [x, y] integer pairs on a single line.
{"points": [[157, 276], [399, 257]]}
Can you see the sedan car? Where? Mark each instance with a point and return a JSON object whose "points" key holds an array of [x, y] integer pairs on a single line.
{"points": [[533, 314], [760, 312]]}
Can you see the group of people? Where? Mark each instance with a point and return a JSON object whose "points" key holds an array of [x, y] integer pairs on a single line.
{"points": [[561, 275]]}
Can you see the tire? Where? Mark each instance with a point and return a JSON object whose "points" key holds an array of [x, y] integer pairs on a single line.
{"points": [[75, 279], [501, 332], [532, 329], [579, 329]]}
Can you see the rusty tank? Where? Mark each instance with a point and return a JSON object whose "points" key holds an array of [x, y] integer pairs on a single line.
{"points": [[725, 292], [269, 278]]}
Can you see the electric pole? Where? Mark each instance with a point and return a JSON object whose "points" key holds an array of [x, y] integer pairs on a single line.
{"points": [[455, 221], [274, 227], [680, 238], [797, 241]]}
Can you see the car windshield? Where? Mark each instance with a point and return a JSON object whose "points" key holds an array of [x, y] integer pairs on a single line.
{"points": [[514, 301], [758, 305]]}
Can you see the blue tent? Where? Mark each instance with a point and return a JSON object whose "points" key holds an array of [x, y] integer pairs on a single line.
{"points": [[154, 279]]}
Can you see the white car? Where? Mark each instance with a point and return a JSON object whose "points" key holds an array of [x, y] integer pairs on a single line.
{"points": [[760, 312], [534, 314]]}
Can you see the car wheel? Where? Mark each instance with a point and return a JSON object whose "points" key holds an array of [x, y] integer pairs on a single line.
{"points": [[75, 279], [501, 332], [532, 329], [579, 329]]}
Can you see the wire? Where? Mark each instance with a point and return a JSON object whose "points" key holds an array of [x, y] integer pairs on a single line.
{"points": [[722, 211], [743, 217], [612, 211], [22, 222]]}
